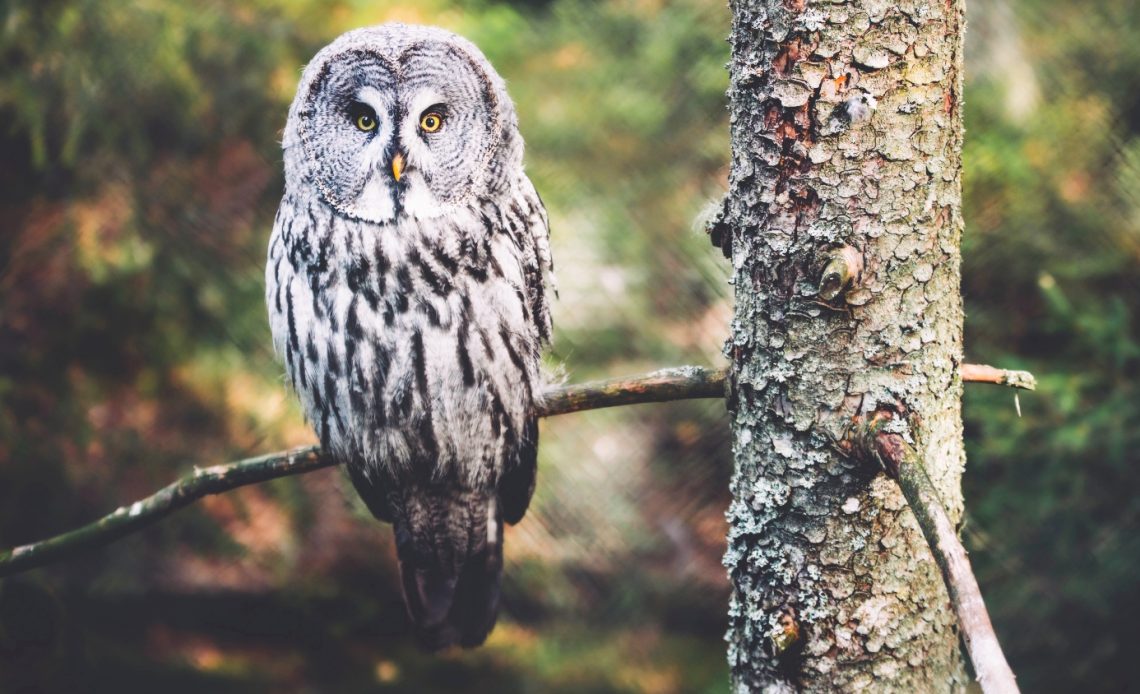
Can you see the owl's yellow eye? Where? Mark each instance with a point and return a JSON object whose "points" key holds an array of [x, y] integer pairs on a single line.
{"points": [[366, 122], [431, 122]]}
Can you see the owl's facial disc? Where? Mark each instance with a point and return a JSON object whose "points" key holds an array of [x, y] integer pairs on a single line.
{"points": [[405, 136]]}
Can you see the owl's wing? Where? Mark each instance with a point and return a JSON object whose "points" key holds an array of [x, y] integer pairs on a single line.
{"points": [[533, 240], [539, 271], [374, 489], [517, 485]]}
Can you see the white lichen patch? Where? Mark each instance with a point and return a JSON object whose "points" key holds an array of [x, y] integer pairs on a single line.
{"points": [[769, 493], [812, 19], [782, 444]]}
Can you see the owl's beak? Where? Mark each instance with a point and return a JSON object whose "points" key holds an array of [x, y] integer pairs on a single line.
{"points": [[397, 166]]}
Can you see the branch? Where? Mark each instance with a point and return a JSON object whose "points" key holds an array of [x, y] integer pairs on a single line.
{"points": [[127, 519], [980, 373], [681, 383], [902, 463]]}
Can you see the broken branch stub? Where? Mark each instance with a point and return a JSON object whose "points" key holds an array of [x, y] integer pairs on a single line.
{"points": [[843, 270]]}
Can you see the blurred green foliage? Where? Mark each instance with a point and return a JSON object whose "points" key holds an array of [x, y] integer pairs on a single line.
{"points": [[1052, 195], [139, 174]]}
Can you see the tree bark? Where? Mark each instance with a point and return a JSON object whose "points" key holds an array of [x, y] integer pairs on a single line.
{"points": [[843, 224]]}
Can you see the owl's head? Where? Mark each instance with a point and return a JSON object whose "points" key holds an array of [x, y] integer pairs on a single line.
{"points": [[399, 121]]}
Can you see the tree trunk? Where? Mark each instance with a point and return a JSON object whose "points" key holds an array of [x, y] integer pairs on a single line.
{"points": [[843, 225]]}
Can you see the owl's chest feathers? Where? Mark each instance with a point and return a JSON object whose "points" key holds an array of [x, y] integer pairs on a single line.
{"points": [[410, 344]]}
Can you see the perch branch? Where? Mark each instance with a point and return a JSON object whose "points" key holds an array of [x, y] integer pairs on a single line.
{"points": [[902, 463], [127, 519], [681, 383], [667, 384]]}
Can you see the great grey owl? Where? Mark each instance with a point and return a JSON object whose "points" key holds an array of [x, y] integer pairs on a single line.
{"points": [[406, 286]]}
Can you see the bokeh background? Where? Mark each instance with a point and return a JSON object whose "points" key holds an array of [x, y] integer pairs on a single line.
{"points": [[139, 174]]}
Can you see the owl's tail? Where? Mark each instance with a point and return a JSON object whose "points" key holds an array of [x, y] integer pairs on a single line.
{"points": [[450, 546]]}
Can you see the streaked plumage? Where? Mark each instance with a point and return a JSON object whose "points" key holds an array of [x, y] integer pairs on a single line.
{"points": [[406, 293]]}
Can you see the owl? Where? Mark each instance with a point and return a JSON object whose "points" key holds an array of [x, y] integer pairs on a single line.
{"points": [[406, 285]]}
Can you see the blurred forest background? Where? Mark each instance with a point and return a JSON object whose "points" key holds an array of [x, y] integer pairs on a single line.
{"points": [[139, 174]]}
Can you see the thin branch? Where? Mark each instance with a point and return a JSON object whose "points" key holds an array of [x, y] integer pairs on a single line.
{"points": [[902, 463], [681, 383], [128, 519], [980, 373]]}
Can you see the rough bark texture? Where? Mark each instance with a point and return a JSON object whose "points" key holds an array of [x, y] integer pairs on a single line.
{"points": [[846, 132]]}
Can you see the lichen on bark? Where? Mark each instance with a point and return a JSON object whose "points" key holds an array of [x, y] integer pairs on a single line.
{"points": [[846, 131]]}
